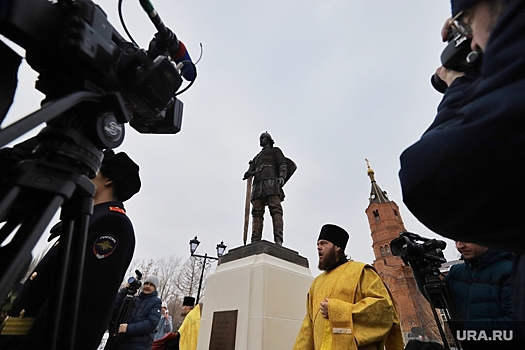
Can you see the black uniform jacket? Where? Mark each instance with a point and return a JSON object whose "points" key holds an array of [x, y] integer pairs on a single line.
{"points": [[110, 246]]}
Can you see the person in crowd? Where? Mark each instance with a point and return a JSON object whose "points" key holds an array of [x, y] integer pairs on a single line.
{"points": [[348, 305], [188, 334], [139, 330], [165, 324], [462, 178], [109, 250], [480, 291], [189, 330]]}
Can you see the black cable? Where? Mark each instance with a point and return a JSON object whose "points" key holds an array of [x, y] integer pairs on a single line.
{"points": [[124, 24]]}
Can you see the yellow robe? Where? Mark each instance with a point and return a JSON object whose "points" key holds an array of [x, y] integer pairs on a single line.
{"points": [[361, 313], [189, 330]]}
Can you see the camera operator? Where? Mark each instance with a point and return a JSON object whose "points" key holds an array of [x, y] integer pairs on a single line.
{"points": [[109, 250], [463, 178], [138, 332], [480, 287]]}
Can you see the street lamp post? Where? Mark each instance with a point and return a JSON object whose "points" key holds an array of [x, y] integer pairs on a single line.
{"points": [[194, 243]]}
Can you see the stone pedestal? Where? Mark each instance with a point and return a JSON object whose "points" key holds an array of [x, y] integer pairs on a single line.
{"points": [[263, 286]]}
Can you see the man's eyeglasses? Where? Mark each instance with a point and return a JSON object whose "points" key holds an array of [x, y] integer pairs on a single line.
{"points": [[461, 27]]}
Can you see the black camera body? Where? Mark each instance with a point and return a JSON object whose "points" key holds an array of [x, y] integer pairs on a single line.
{"points": [[75, 48], [457, 56], [426, 256], [134, 283]]}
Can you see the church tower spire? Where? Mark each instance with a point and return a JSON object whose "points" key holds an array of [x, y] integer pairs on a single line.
{"points": [[385, 225], [376, 194]]}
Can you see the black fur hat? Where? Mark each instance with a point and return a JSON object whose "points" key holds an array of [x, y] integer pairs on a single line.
{"points": [[188, 301], [124, 173], [335, 234]]}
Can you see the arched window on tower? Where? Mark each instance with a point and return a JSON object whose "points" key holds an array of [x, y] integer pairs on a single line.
{"points": [[382, 250], [376, 215], [387, 249], [396, 216]]}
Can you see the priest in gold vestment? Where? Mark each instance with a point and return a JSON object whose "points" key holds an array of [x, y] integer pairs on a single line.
{"points": [[348, 306], [189, 330]]}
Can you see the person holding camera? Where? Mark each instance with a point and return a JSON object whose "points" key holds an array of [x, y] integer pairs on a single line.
{"points": [[463, 178], [479, 288], [139, 330], [109, 250], [188, 333], [165, 323]]}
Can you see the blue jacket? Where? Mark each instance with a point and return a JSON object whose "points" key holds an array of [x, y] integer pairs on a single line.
{"points": [[481, 290], [142, 321], [163, 327], [463, 178]]}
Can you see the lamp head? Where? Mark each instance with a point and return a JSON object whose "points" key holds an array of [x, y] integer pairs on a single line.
{"points": [[194, 243], [220, 249]]}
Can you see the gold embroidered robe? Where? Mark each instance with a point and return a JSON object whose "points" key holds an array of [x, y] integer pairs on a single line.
{"points": [[361, 313], [189, 330]]}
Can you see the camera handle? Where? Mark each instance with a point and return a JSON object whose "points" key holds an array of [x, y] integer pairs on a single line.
{"points": [[438, 296], [56, 175]]}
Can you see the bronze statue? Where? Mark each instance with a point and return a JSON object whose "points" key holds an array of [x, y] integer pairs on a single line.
{"points": [[270, 170]]}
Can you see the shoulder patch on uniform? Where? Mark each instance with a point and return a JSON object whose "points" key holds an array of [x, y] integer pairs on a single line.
{"points": [[104, 246], [118, 210]]}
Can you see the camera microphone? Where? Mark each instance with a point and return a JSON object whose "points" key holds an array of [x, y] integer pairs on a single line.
{"points": [[174, 46], [182, 55]]}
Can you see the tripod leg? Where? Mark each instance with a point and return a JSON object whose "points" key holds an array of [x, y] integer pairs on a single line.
{"points": [[70, 265], [440, 328], [7, 203], [438, 296]]}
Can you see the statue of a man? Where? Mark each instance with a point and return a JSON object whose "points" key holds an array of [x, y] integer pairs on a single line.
{"points": [[270, 171]]}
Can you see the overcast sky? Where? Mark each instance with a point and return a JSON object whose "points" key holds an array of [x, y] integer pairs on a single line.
{"points": [[334, 82]]}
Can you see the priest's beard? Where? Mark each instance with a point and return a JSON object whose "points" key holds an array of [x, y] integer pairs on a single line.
{"points": [[329, 260]]}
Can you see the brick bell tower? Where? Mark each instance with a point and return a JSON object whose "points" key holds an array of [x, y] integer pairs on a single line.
{"points": [[385, 225]]}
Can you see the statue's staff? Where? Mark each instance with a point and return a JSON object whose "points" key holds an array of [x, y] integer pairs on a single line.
{"points": [[247, 176], [247, 208]]}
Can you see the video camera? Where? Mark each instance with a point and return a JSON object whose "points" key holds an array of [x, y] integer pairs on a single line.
{"points": [[75, 48], [457, 56], [134, 283], [94, 82], [426, 256]]}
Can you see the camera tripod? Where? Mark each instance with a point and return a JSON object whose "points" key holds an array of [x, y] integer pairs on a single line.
{"points": [[56, 173], [121, 317], [438, 296], [94, 81]]}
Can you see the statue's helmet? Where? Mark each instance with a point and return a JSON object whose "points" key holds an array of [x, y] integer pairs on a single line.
{"points": [[266, 135]]}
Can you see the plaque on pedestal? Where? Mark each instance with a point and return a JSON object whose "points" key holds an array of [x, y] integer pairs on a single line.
{"points": [[266, 285], [223, 329]]}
